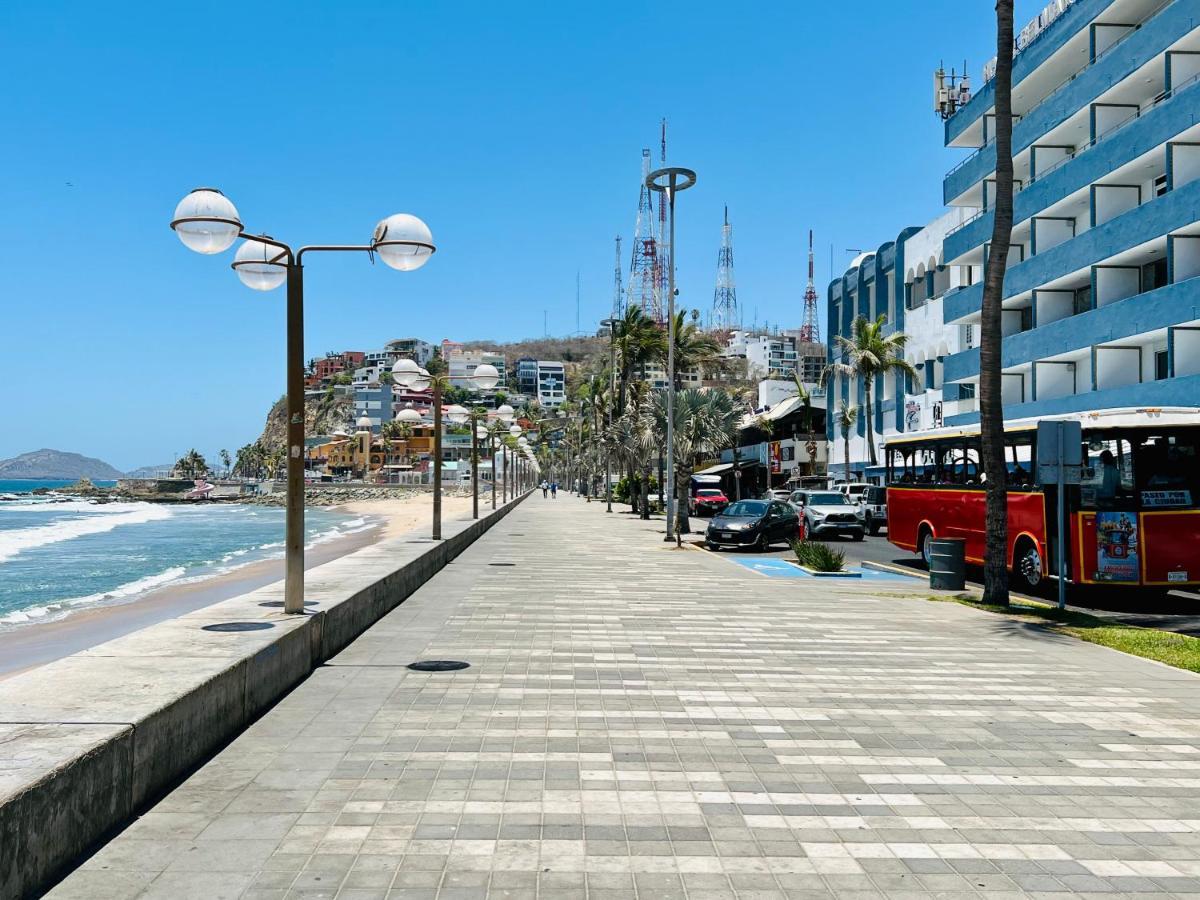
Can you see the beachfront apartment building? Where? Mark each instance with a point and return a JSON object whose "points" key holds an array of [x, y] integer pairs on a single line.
{"points": [[1102, 294], [905, 281], [551, 383], [373, 400]]}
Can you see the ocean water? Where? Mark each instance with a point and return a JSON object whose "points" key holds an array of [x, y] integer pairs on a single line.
{"points": [[62, 554]]}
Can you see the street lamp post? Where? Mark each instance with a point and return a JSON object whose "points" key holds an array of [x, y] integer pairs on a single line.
{"points": [[670, 181], [408, 374], [207, 222]]}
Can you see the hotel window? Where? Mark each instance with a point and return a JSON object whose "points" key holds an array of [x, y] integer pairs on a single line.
{"points": [[1160, 185], [1154, 275], [1160, 365]]}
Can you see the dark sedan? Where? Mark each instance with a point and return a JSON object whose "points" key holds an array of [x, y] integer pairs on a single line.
{"points": [[752, 523]]}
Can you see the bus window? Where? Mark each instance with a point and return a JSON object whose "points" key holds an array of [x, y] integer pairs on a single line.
{"points": [[1107, 473], [1165, 469], [1019, 448]]}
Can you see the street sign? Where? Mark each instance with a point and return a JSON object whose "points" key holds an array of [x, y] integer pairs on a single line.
{"points": [[1060, 462], [1059, 449]]}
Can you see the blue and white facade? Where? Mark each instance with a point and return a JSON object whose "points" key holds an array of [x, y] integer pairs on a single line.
{"points": [[1101, 296]]}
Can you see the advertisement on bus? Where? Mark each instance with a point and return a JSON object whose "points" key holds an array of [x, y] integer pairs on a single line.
{"points": [[1116, 547]]}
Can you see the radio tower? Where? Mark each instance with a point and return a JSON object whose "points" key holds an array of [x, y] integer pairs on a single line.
{"points": [[618, 309], [662, 280], [643, 267], [725, 308], [809, 330]]}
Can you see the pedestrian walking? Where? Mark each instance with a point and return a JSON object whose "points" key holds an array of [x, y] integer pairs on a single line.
{"points": [[554, 489], [545, 487]]}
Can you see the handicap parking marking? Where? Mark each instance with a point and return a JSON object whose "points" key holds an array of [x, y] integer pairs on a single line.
{"points": [[771, 568]]}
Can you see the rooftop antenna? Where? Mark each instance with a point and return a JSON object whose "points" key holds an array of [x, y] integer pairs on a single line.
{"points": [[809, 330]]}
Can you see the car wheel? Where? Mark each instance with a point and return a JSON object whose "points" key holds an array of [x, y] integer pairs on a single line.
{"points": [[711, 546], [859, 535], [762, 544], [1027, 566], [873, 527]]}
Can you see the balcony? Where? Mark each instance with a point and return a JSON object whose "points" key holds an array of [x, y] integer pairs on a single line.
{"points": [[1167, 25]]}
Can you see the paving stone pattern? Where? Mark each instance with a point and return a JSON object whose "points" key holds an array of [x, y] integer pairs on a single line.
{"points": [[640, 721]]}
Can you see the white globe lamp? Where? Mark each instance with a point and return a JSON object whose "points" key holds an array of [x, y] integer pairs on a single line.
{"points": [[260, 266], [405, 371], [404, 242], [206, 221], [486, 376]]}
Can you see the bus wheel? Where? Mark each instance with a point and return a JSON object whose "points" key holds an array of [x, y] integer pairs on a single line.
{"points": [[925, 546], [1027, 565]]}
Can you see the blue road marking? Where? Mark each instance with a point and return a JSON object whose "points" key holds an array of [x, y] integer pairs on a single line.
{"points": [[772, 567]]}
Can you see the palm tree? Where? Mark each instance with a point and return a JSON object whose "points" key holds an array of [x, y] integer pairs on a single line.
{"points": [[846, 417], [226, 461], [806, 421], [704, 422], [191, 465], [694, 349], [869, 353], [991, 407], [639, 341]]}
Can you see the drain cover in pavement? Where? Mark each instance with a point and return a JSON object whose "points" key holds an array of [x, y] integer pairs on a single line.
{"points": [[501, 564], [438, 665], [238, 626], [280, 603]]}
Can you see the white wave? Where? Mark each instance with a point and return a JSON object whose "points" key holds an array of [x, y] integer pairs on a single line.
{"points": [[92, 507], [59, 608], [19, 540]]}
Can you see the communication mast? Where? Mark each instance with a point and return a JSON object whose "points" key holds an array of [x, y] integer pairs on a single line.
{"points": [[618, 308], [644, 265], [950, 92], [725, 306], [809, 330]]}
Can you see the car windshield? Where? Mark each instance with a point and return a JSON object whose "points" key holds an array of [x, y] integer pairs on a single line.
{"points": [[709, 492], [745, 509], [830, 499]]}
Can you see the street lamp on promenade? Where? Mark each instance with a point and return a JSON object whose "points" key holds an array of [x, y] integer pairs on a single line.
{"points": [[408, 374], [478, 432], [207, 222], [670, 181]]}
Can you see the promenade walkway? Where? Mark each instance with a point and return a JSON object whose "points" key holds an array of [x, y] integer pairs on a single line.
{"points": [[639, 721]]}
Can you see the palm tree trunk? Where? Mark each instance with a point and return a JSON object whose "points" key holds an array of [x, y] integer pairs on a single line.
{"points": [[869, 409], [644, 490], [683, 476], [846, 438], [991, 407]]}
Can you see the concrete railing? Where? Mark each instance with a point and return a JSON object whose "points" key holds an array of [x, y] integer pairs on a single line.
{"points": [[90, 740]]}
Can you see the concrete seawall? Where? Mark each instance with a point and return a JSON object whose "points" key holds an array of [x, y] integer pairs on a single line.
{"points": [[89, 740]]}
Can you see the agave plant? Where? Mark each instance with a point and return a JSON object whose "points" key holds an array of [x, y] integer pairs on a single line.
{"points": [[819, 557]]}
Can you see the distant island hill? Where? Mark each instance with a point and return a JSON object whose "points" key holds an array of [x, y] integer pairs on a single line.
{"points": [[56, 465]]}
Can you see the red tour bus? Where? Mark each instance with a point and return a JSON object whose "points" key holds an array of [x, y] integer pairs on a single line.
{"points": [[1133, 522]]}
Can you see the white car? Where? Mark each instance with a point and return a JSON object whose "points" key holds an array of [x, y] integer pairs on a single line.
{"points": [[827, 512], [854, 490]]}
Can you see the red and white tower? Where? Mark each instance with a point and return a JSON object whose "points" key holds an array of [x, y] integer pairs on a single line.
{"points": [[809, 329]]}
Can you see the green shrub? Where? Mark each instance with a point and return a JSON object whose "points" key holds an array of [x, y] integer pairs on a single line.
{"points": [[819, 557], [627, 487]]}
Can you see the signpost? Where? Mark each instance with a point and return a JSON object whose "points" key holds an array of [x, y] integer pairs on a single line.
{"points": [[1060, 462]]}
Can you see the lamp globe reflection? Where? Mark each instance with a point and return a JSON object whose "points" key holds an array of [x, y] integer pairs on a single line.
{"points": [[405, 371], [403, 241], [206, 221], [260, 266], [486, 376]]}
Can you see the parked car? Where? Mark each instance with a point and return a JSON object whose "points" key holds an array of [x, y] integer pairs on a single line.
{"points": [[829, 512], [780, 494], [872, 509], [853, 490], [708, 501], [752, 523]]}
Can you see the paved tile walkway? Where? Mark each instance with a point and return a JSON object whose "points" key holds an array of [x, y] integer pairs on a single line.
{"points": [[639, 721]]}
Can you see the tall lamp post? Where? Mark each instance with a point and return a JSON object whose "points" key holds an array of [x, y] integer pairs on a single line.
{"points": [[478, 433], [407, 373], [670, 181], [207, 222]]}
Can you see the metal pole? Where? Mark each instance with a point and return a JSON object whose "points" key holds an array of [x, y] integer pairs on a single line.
{"points": [[612, 396], [670, 492], [437, 458], [1062, 523], [492, 454], [293, 591], [474, 468]]}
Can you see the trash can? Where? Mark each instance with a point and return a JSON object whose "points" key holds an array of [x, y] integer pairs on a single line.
{"points": [[948, 564]]}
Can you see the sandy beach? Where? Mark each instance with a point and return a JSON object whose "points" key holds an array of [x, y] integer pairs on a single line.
{"points": [[35, 644]]}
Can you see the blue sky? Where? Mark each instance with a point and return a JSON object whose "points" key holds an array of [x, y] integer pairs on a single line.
{"points": [[514, 130]]}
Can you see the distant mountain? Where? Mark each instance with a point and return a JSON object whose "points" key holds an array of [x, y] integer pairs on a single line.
{"points": [[55, 464]]}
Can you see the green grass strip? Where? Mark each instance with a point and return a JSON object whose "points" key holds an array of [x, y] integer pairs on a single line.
{"points": [[1179, 650]]}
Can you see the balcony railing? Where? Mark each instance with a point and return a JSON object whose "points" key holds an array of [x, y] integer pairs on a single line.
{"points": [[1091, 62]]}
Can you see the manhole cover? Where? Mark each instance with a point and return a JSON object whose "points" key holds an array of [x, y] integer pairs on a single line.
{"points": [[516, 534], [420, 541], [279, 603], [438, 665], [238, 626], [501, 564]]}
